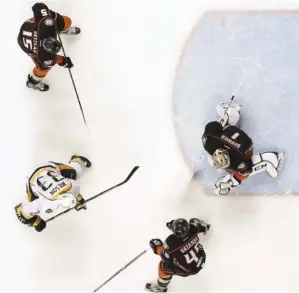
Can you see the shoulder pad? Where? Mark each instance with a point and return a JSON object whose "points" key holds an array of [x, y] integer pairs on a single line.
{"points": [[40, 10], [213, 127]]}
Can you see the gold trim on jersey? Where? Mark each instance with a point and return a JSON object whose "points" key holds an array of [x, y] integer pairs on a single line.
{"points": [[30, 195], [22, 213], [39, 171], [64, 167], [37, 221]]}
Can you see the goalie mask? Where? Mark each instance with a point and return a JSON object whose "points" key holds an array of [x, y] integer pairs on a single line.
{"points": [[51, 45], [221, 159]]}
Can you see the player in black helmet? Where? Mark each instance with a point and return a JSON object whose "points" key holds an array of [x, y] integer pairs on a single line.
{"points": [[181, 253], [51, 45], [180, 228], [38, 39]]}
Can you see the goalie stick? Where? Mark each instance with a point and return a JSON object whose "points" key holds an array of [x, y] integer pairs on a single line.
{"points": [[99, 194]]}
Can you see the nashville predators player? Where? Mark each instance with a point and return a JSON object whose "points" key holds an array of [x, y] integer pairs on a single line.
{"points": [[50, 187]]}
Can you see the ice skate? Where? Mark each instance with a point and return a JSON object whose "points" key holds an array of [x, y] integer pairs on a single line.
{"points": [[72, 31], [154, 288], [36, 85], [85, 161]]}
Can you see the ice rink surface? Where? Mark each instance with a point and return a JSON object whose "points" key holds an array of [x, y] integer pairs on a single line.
{"points": [[126, 98], [125, 62], [253, 55]]}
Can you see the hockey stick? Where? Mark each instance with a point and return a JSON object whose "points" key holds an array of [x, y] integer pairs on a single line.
{"points": [[123, 268], [99, 194], [74, 85], [226, 108], [230, 102]]}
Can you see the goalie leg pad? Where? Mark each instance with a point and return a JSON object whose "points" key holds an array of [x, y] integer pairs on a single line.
{"points": [[271, 162]]}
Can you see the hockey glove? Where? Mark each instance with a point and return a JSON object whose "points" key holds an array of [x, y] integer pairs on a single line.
{"points": [[36, 221], [169, 225], [81, 203], [197, 223], [225, 184], [66, 62], [156, 245], [39, 224]]}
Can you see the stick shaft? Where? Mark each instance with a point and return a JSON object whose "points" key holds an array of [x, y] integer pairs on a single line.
{"points": [[73, 82], [99, 194], [120, 270]]}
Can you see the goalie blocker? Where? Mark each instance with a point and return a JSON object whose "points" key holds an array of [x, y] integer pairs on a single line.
{"points": [[231, 149]]}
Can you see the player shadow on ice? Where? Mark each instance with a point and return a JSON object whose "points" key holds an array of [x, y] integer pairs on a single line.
{"points": [[254, 56]]}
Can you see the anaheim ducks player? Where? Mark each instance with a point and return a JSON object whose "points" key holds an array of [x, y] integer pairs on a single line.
{"points": [[231, 149], [38, 39], [181, 253], [51, 187]]}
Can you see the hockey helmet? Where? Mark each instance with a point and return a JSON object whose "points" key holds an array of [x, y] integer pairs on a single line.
{"points": [[180, 228], [51, 45], [67, 200], [221, 159]]}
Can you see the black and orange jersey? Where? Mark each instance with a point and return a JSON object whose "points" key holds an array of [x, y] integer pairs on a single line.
{"points": [[45, 23], [231, 138], [186, 254]]}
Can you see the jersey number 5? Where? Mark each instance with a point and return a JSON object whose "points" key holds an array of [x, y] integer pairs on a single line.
{"points": [[44, 12], [191, 256]]}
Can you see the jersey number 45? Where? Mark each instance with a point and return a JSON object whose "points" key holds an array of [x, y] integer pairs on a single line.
{"points": [[191, 256]]}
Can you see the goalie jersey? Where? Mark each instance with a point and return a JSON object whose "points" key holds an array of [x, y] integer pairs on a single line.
{"points": [[233, 139]]}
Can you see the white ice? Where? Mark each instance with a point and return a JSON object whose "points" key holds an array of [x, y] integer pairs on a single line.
{"points": [[125, 61]]}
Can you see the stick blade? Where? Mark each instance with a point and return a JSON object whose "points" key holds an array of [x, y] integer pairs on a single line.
{"points": [[132, 172]]}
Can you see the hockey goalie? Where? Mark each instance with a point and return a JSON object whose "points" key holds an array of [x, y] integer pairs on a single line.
{"points": [[231, 149], [50, 187]]}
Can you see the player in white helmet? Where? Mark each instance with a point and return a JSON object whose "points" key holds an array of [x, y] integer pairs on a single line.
{"points": [[231, 149]]}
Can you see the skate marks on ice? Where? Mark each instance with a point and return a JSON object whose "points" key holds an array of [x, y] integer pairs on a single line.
{"points": [[253, 55]]}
